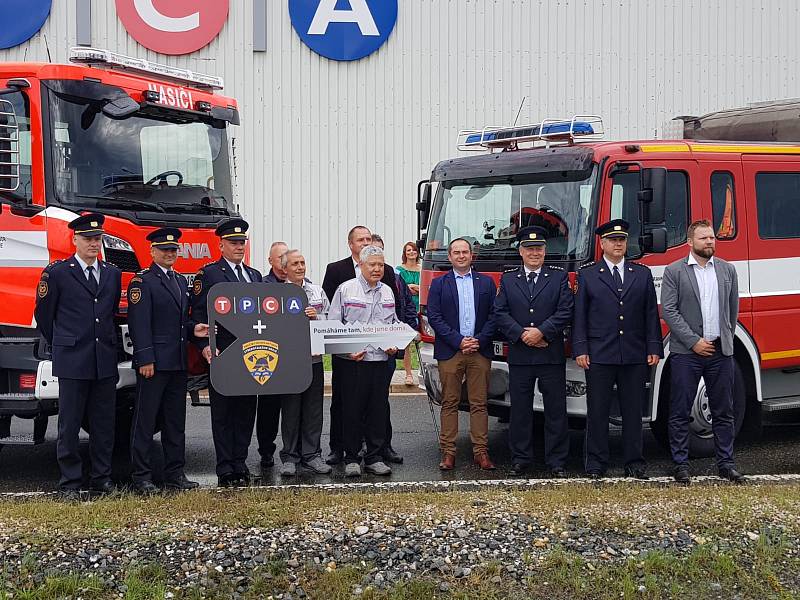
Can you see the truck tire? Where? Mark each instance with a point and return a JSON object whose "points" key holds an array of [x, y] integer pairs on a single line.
{"points": [[701, 438]]}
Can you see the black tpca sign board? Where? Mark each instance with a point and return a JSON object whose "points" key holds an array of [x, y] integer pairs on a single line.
{"points": [[270, 351]]}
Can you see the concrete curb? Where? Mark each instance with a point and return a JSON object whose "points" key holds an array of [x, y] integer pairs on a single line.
{"points": [[473, 485]]}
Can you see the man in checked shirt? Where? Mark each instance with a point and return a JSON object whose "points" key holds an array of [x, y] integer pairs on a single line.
{"points": [[366, 300]]}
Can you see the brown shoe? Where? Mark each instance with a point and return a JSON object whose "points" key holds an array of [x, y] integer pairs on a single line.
{"points": [[484, 462], [448, 462]]}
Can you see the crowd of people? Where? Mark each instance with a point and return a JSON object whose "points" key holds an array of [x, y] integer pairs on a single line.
{"points": [[610, 317]]}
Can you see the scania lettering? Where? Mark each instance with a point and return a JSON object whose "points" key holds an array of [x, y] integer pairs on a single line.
{"points": [[560, 174], [143, 143]]}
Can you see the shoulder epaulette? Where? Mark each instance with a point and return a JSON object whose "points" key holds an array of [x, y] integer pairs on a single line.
{"points": [[555, 268], [588, 264]]}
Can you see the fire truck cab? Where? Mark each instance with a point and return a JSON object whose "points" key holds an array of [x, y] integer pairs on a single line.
{"points": [[560, 174], [145, 144]]}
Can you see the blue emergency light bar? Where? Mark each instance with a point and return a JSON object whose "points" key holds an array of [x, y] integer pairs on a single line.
{"points": [[587, 127], [578, 128]]}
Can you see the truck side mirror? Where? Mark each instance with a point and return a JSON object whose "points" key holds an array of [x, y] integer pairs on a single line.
{"points": [[653, 194], [654, 240], [9, 147], [423, 205]]}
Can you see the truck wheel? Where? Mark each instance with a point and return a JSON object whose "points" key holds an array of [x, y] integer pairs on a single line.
{"points": [[701, 437]]}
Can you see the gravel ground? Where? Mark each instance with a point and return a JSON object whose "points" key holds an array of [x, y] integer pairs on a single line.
{"points": [[498, 537]]}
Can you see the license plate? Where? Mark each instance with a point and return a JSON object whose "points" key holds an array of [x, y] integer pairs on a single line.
{"points": [[499, 348]]}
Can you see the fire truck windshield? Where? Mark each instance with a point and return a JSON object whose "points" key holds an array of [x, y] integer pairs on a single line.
{"points": [[144, 162], [489, 214]]}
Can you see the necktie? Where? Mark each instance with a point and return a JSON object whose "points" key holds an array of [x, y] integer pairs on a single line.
{"points": [[617, 279], [239, 274], [173, 281], [92, 281], [531, 282]]}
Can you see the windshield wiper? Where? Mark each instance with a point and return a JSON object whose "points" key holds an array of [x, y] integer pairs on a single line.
{"points": [[115, 200]]}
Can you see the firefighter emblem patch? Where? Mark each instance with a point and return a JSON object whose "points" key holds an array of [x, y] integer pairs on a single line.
{"points": [[197, 287], [42, 289], [261, 359], [135, 295]]}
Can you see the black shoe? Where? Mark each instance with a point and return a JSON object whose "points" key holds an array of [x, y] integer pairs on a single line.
{"points": [[227, 480], [518, 470], [558, 473], [69, 495], [267, 462], [637, 473], [144, 488], [731, 474], [595, 474], [181, 483], [680, 473], [103, 489], [334, 458], [242, 479], [390, 455]]}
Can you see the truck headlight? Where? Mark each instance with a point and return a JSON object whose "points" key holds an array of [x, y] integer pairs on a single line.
{"points": [[114, 243]]}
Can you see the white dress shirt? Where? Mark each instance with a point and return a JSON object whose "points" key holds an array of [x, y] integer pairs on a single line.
{"points": [[620, 266], [95, 269], [244, 271], [709, 296]]}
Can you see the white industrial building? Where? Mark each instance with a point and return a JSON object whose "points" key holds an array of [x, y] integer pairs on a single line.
{"points": [[325, 145]]}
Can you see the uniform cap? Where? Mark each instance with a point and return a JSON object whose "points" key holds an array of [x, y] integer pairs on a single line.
{"points": [[532, 236], [614, 228], [165, 238], [233, 229], [90, 225]]}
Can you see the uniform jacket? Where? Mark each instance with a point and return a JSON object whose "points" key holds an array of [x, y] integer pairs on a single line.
{"points": [[79, 325], [550, 310], [216, 272], [355, 302], [612, 328], [680, 304], [442, 312], [158, 319]]}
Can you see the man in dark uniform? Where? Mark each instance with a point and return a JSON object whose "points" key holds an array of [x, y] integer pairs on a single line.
{"points": [[268, 414], [76, 302], [232, 417], [158, 318], [533, 307], [617, 338]]}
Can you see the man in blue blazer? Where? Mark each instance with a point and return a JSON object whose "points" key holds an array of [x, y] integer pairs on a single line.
{"points": [[460, 311], [533, 307]]}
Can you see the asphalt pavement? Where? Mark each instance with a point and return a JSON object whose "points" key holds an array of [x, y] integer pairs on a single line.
{"points": [[28, 469]]}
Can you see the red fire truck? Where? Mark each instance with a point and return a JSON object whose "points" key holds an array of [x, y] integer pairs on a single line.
{"points": [[145, 144], [561, 175]]}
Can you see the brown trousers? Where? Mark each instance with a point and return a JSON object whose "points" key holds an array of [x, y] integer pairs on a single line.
{"points": [[476, 368]]}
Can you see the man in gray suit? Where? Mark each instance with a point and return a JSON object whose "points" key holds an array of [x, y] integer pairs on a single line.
{"points": [[700, 303]]}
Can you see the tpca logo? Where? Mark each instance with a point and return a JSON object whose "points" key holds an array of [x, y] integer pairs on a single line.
{"points": [[173, 26], [21, 20], [343, 29]]}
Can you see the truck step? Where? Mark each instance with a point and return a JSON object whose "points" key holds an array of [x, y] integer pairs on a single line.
{"points": [[23, 405], [12, 341], [778, 404], [22, 439]]}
